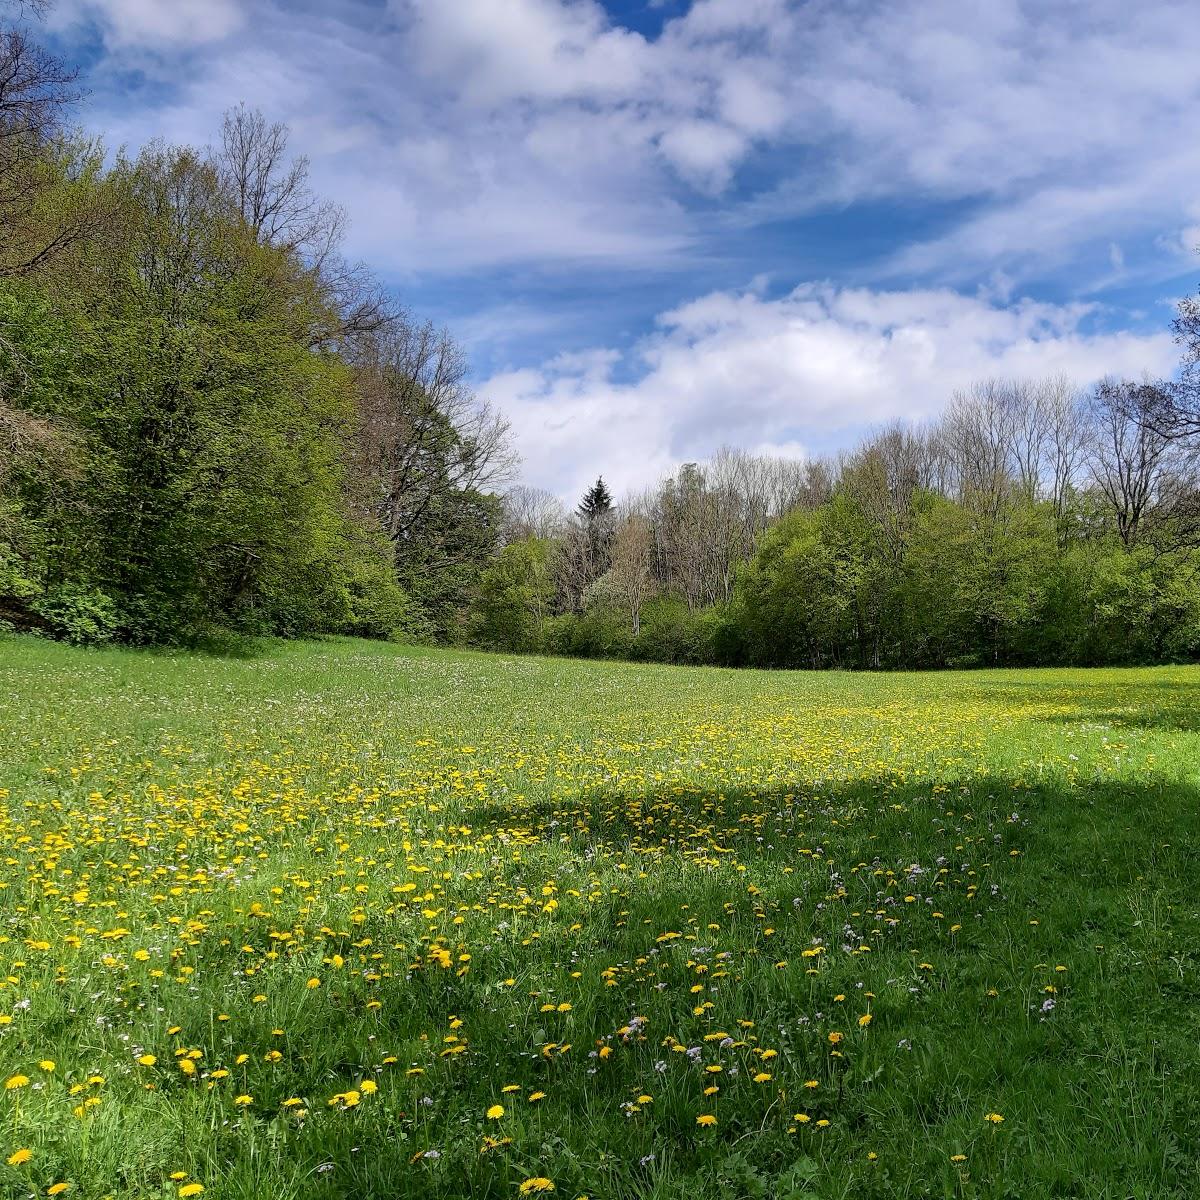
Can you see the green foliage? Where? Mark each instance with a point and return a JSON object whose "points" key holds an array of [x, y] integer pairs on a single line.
{"points": [[514, 597], [443, 556], [183, 445], [378, 606], [673, 633], [974, 585], [961, 588], [188, 450], [601, 633], [77, 614], [808, 597], [969, 588]]}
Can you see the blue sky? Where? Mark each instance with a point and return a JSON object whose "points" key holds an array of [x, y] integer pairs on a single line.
{"points": [[659, 227]]}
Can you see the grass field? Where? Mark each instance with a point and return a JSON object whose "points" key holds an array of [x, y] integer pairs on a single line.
{"points": [[351, 920]]}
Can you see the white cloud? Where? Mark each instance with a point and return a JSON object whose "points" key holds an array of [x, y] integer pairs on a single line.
{"points": [[160, 23], [500, 50], [814, 367], [539, 136], [453, 129], [703, 152]]}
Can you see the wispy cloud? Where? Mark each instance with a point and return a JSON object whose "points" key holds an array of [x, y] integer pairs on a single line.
{"points": [[481, 122]]}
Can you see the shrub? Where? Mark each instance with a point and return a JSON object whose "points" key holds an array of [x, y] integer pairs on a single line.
{"points": [[82, 615]]}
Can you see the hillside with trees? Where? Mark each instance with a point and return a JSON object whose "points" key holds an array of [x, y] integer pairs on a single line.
{"points": [[211, 420]]}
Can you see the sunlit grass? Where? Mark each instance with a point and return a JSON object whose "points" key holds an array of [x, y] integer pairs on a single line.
{"points": [[352, 920]]}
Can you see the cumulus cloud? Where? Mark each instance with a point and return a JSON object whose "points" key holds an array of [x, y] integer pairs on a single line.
{"points": [[811, 368], [501, 50]]}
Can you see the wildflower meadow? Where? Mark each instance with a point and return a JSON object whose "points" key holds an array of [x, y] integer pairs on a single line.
{"points": [[348, 920]]}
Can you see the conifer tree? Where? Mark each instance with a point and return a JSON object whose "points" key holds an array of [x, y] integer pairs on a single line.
{"points": [[596, 502]]}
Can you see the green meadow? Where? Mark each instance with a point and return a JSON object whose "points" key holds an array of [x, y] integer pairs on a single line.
{"points": [[343, 919]]}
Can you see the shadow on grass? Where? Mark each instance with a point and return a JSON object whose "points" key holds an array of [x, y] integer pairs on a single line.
{"points": [[1163, 706], [1152, 704], [1098, 1088]]}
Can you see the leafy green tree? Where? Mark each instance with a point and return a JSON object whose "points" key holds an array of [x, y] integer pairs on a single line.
{"points": [[514, 597], [212, 486], [975, 582]]}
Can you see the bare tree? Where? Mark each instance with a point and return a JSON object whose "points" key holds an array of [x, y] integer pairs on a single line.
{"points": [[738, 511], [976, 436], [685, 522], [271, 189], [1138, 466], [1066, 437], [884, 476], [422, 432], [1178, 411], [574, 565], [632, 561], [531, 512], [1028, 422]]}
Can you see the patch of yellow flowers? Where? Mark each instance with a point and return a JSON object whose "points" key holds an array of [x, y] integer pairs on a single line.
{"points": [[587, 903]]}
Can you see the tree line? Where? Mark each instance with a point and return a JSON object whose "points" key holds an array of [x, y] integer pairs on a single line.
{"points": [[1032, 523]]}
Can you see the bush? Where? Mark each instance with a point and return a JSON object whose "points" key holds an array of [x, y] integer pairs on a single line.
{"points": [[673, 633], [378, 606], [84, 616]]}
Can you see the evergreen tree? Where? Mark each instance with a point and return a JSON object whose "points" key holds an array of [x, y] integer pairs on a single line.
{"points": [[596, 502], [596, 526]]}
